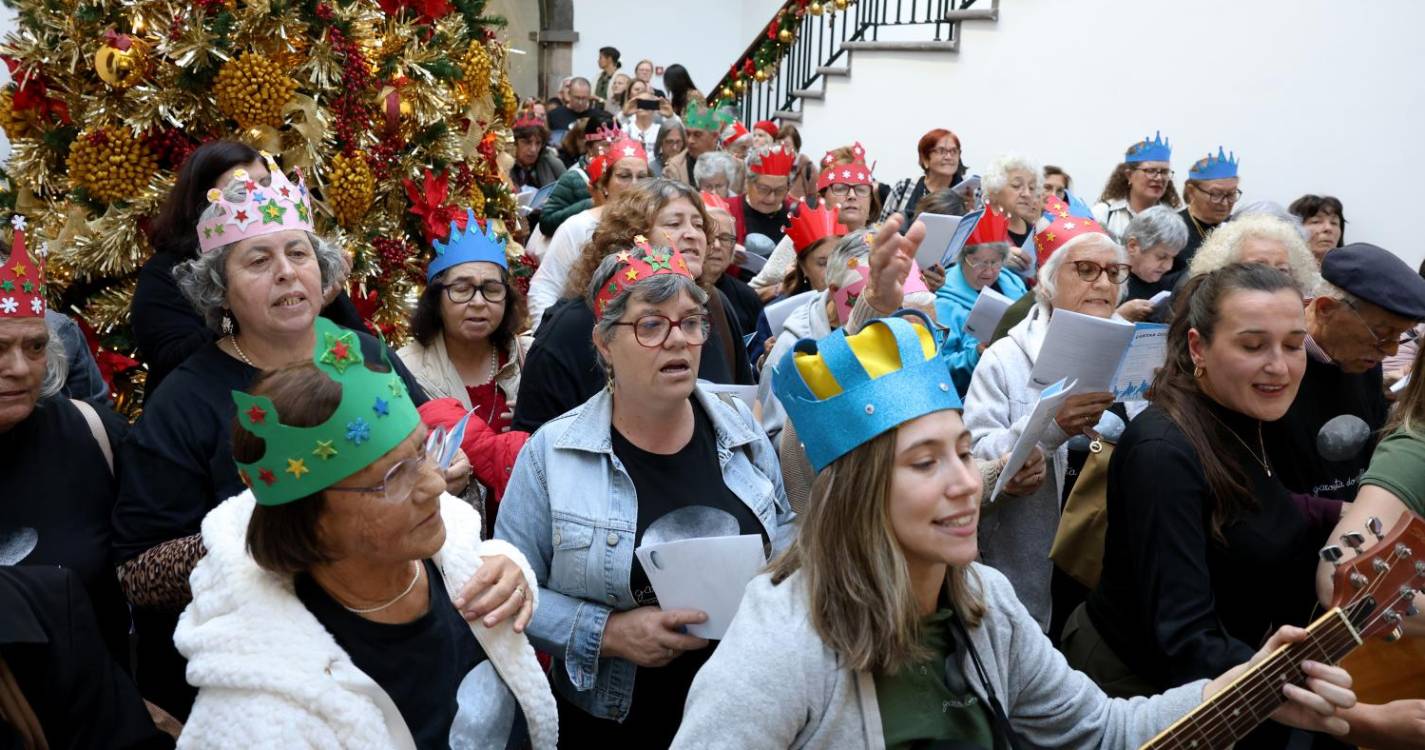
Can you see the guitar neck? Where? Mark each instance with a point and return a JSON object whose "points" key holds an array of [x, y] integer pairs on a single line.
{"points": [[1238, 708]]}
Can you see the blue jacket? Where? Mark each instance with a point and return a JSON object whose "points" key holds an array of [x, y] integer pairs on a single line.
{"points": [[953, 303], [571, 508]]}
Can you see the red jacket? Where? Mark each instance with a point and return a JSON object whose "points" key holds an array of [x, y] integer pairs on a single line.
{"points": [[492, 454]]}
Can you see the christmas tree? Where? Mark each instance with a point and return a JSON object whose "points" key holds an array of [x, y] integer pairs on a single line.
{"points": [[397, 111]]}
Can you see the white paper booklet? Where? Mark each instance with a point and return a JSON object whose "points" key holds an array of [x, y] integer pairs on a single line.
{"points": [[939, 230], [1145, 355], [1049, 400], [985, 316], [707, 574]]}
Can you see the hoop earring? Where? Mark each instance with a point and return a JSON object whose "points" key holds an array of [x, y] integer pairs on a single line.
{"points": [[1197, 372]]}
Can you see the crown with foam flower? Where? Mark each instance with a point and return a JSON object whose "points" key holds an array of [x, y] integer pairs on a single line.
{"points": [[774, 161], [1059, 225], [468, 246], [855, 173], [809, 226], [842, 391], [642, 261], [375, 415], [1156, 149], [1219, 167], [265, 209], [22, 279]]}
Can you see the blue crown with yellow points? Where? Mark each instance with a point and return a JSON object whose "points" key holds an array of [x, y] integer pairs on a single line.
{"points": [[841, 391], [375, 415], [1146, 150], [472, 244], [1218, 167]]}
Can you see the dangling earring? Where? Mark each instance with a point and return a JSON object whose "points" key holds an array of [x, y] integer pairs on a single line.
{"points": [[610, 384], [227, 324], [1197, 371]]}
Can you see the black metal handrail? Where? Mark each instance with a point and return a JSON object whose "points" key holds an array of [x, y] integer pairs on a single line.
{"points": [[819, 43]]}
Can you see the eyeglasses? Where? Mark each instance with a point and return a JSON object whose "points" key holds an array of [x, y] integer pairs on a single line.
{"points": [[1380, 342], [492, 290], [1156, 174], [778, 191], [943, 152], [400, 480], [842, 190], [983, 265], [652, 330], [1090, 271], [1213, 196], [725, 240]]}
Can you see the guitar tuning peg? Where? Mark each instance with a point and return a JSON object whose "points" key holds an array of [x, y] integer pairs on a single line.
{"points": [[1332, 554], [1358, 580], [1376, 528], [1412, 611], [1393, 636], [1355, 540]]}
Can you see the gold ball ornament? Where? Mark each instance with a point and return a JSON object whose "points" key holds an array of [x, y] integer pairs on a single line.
{"points": [[110, 163], [815, 9], [760, 75], [252, 89], [841, 4], [785, 36], [740, 85], [122, 62], [350, 189]]}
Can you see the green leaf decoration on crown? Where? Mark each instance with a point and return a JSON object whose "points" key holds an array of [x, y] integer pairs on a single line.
{"points": [[700, 116], [375, 415]]}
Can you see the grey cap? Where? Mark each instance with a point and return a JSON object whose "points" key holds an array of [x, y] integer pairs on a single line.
{"points": [[1377, 276]]}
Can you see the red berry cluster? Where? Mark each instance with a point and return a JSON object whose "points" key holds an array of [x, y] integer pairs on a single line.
{"points": [[385, 156], [392, 255], [351, 114], [171, 146]]}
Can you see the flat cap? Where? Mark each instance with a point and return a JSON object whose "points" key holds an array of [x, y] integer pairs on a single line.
{"points": [[1377, 276]]}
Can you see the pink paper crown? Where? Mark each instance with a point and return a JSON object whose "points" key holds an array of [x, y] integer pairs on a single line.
{"points": [[265, 209]]}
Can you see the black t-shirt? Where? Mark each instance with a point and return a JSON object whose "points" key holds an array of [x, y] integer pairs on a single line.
{"points": [[419, 664], [58, 483], [1017, 240], [1292, 441], [746, 305], [1140, 289], [560, 118], [773, 225]]}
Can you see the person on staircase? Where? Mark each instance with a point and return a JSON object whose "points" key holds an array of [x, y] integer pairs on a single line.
{"points": [[939, 153]]}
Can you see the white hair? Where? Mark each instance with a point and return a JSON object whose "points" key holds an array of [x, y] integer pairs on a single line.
{"points": [[56, 366], [714, 163], [1224, 247], [996, 176], [853, 247], [1049, 272], [1157, 225]]}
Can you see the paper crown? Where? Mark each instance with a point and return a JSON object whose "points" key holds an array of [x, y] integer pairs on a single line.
{"points": [[1212, 167], [607, 132], [766, 126], [1063, 225], [22, 279], [855, 173], [375, 415], [265, 209], [622, 148], [990, 227], [1146, 150], [713, 201], [734, 131], [639, 262], [845, 298], [772, 162], [698, 116], [810, 225], [467, 246], [530, 121], [842, 391]]}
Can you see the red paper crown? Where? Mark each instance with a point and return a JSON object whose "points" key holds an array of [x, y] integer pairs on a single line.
{"points": [[22, 279], [766, 126], [640, 262], [732, 132], [809, 226], [991, 227], [626, 148], [1063, 228], [713, 201], [596, 167], [773, 162], [530, 121], [605, 132], [858, 155]]}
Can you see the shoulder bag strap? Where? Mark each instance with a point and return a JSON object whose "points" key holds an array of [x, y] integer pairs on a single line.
{"points": [[96, 428]]}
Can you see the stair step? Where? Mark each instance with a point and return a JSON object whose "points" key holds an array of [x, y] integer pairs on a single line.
{"points": [[973, 14], [810, 94], [834, 71], [786, 116], [950, 46]]}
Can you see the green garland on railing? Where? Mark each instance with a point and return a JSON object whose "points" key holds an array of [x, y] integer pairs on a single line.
{"points": [[761, 63]]}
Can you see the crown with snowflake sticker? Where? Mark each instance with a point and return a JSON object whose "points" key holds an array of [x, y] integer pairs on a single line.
{"points": [[375, 415], [265, 209], [468, 246], [809, 226], [22, 279], [1146, 150], [775, 161], [1210, 167], [1062, 227], [642, 261], [855, 173]]}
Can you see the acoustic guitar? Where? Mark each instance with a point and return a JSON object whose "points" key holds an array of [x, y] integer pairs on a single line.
{"points": [[1373, 592]]}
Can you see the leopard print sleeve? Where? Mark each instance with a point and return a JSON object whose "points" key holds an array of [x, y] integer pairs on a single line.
{"points": [[158, 578]]}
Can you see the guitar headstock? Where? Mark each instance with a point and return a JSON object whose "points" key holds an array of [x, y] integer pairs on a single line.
{"points": [[1376, 587]]}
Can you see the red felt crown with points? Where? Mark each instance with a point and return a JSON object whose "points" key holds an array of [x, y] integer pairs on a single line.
{"points": [[642, 261], [855, 173], [809, 226], [1063, 228], [22, 280], [991, 227], [773, 162]]}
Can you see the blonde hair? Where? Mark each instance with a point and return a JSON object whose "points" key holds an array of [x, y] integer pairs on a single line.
{"points": [[1224, 246], [861, 601]]}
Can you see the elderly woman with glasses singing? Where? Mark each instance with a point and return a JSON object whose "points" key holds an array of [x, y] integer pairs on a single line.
{"points": [[651, 455], [979, 265]]}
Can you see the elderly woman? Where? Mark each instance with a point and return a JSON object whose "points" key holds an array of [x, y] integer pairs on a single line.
{"points": [[57, 453], [623, 166], [979, 265], [536, 164], [1013, 186], [722, 244], [639, 459], [562, 370], [1325, 218], [322, 611], [1143, 179], [259, 286], [715, 172], [1152, 238], [1258, 238], [672, 139], [1084, 274], [939, 154]]}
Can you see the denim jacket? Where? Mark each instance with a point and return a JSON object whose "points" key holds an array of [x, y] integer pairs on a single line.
{"points": [[571, 508]]}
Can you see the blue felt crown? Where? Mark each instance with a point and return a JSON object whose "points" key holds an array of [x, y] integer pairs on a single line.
{"points": [[1146, 150], [467, 246], [911, 384], [1217, 167]]}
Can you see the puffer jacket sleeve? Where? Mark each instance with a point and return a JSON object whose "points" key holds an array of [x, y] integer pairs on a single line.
{"points": [[492, 454], [569, 197]]}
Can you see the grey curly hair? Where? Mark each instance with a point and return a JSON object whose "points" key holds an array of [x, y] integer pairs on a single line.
{"points": [[654, 290], [204, 280], [56, 366]]}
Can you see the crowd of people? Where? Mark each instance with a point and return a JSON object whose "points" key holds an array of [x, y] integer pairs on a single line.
{"points": [[311, 538]]}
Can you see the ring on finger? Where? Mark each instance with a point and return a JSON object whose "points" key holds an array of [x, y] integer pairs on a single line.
{"points": [[520, 590]]}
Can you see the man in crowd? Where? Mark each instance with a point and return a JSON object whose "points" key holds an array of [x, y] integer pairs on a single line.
{"points": [[702, 126], [576, 105], [608, 66]]}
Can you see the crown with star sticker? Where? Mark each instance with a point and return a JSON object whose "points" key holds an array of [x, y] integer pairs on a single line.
{"points": [[1218, 167], [1062, 225], [809, 226], [467, 246], [264, 209], [854, 173], [642, 261], [1146, 150], [22, 279], [375, 415], [775, 161]]}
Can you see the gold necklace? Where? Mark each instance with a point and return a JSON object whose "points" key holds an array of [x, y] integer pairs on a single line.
{"points": [[232, 338], [1200, 231], [1260, 443], [409, 587]]}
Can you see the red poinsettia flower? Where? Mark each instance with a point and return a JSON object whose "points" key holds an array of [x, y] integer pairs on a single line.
{"points": [[429, 203]]}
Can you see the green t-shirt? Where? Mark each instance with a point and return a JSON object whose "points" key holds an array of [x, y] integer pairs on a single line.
{"points": [[916, 705], [1398, 465]]}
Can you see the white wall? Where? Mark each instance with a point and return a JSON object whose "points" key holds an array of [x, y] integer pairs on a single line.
{"points": [[705, 36], [1314, 96]]}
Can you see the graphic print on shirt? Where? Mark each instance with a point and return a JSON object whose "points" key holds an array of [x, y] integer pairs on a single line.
{"points": [[688, 522]]}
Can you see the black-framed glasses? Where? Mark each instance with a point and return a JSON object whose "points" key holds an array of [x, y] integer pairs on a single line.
{"points": [[1220, 198], [939, 152], [493, 290], [400, 480], [1156, 174], [652, 331], [1090, 271], [841, 190]]}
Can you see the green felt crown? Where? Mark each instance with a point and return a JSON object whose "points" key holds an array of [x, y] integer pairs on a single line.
{"points": [[699, 116], [375, 415]]}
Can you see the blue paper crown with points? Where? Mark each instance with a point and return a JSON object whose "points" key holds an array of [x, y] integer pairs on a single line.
{"points": [[1146, 150], [473, 244], [841, 391], [1218, 167]]}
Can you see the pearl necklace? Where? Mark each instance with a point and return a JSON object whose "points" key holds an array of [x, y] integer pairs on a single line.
{"points": [[232, 339]]}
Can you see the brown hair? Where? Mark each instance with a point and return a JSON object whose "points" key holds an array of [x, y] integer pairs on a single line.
{"points": [[789, 130], [1308, 206], [857, 580], [1409, 413], [1198, 306], [629, 215], [426, 322], [283, 538], [1117, 187]]}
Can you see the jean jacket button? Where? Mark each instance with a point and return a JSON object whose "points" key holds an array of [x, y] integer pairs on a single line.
{"points": [[613, 539]]}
